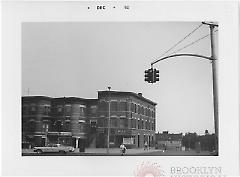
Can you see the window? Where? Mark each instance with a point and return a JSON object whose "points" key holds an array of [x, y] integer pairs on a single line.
{"points": [[133, 123], [25, 109], [142, 126], [139, 109], [45, 127], [59, 109], [102, 122], [81, 126], [123, 123], [103, 106], [33, 109], [47, 109], [114, 122], [82, 111], [123, 106], [68, 110], [67, 127], [132, 107], [142, 110], [93, 109], [135, 108], [58, 126], [148, 113], [31, 126], [113, 106], [146, 125]]}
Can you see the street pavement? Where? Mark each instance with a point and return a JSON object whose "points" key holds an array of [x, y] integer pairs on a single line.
{"points": [[117, 152]]}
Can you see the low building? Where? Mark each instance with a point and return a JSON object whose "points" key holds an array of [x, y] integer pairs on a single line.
{"points": [[76, 121], [166, 140]]}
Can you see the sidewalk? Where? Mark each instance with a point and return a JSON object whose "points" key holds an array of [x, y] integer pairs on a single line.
{"points": [[104, 151], [135, 151], [117, 150]]}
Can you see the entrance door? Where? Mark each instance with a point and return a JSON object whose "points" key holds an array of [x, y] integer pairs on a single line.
{"points": [[138, 140], [81, 145]]}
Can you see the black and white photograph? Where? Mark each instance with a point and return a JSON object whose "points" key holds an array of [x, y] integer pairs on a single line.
{"points": [[119, 88]]}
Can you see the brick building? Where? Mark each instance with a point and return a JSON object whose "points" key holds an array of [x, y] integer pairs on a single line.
{"points": [[74, 121]]}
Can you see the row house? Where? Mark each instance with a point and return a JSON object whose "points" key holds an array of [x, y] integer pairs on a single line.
{"points": [[75, 121]]}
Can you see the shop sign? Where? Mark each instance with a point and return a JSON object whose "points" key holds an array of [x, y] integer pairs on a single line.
{"points": [[127, 140]]}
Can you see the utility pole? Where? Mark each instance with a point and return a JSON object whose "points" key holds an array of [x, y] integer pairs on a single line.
{"points": [[109, 116], [214, 76]]}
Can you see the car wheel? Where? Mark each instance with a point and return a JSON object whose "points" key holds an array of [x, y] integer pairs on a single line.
{"points": [[39, 151], [62, 152]]}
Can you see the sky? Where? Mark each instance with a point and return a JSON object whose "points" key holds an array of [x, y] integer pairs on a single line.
{"points": [[81, 58]]}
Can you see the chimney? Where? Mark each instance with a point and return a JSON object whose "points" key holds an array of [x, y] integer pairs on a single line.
{"points": [[139, 94]]}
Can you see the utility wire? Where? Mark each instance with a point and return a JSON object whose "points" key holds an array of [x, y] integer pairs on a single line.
{"points": [[181, 40], [191, 43]]}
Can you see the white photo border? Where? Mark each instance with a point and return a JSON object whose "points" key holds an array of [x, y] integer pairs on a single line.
{"points": [[14, 13]]}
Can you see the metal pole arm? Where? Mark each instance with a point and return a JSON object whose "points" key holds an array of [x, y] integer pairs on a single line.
{"points": [[183, 54]]}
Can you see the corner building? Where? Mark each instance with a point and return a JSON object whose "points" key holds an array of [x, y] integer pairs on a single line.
{"points": [[77, 121], [132, 119]]}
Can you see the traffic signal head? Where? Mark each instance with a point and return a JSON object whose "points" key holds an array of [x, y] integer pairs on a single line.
{"points": [[155, 75], [149, 75]]}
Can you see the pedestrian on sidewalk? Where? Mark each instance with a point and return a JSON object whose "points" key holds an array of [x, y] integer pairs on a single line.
{"points": [[146, 146], [123, 149]]}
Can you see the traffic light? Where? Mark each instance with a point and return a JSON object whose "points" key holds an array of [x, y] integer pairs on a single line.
{"points": [[149, 75], [155, 75]]}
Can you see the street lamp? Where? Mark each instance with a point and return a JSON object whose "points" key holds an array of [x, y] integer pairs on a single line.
{"points": [[109, 115]]}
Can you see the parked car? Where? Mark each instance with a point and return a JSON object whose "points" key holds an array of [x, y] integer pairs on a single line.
{"points": [[53, 148]]}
